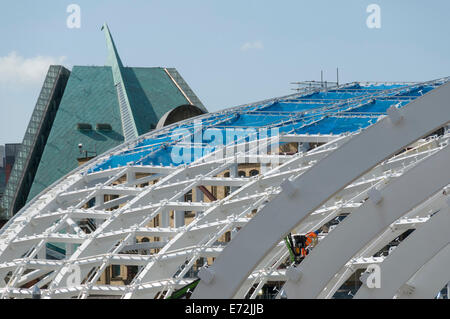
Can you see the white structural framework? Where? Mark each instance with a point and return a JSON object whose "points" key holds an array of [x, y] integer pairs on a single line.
{"points": [[387, 179]]}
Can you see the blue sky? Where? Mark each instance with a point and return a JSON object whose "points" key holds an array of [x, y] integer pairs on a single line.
{"points": [[230, 52]]}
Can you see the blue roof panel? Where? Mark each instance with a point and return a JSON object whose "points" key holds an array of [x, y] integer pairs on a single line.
{"points": [[347, 109]]}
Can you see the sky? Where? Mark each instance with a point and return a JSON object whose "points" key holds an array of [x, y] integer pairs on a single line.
{"points": [[229, 52]]}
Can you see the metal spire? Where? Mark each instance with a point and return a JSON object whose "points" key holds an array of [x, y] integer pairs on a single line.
{"points": [[128, 125], [113, 55]]}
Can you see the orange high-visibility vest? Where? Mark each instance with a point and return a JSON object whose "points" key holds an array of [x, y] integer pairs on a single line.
{"points": [[311, 238], [304, 252]]}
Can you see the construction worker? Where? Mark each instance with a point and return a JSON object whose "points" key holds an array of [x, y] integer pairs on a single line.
{"points": [[305, 242], [300, 244], [311, 239]]}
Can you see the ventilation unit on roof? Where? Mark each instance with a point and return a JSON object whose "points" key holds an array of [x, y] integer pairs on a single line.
{"points": [[84, 126], [104, 127]]}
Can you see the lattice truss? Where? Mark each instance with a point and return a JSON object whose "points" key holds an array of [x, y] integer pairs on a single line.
{"points": [[99, 218], [414, 198]]}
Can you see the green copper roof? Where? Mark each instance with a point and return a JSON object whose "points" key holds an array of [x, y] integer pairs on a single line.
{"points": [[186, 89], [130, 100], [152, 93], [89, 98]]}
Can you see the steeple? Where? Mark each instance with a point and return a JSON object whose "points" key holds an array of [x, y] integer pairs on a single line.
{"points": [[128, 124]]}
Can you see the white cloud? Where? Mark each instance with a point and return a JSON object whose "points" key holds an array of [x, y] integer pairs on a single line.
{"points": [[15, 69], [256, 45]]}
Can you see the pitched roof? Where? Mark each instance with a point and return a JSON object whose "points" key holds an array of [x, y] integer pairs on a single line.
{"points": [[127, 101]]}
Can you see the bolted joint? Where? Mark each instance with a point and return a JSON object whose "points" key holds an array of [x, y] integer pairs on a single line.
{"points": [[293, 274], [290, 189], [394, 114], [407, 289], [206, 275], [375, 196]]}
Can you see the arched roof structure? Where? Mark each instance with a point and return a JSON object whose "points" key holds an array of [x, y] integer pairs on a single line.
{"points": [[358, 146]]}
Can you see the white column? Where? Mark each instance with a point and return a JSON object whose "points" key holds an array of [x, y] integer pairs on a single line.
{"points": [[131, 176], [99, 200], [233, 173], [165, 221], [179, 218], [199, 197], [264, 168]]}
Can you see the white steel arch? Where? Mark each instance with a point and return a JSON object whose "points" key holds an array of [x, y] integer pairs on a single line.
{"points": [[316, 220], [412, 220], [42, 220], [430, 279], [398, 198], [420, 247], [59, 214], [178, 255], [306, 194]]}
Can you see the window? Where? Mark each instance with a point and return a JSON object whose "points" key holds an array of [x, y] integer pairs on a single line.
{"points": [[104, 127], [254, 172], [115, 271], [131, 273], [90, 203], [188, 196], [84, 126], [227, 189]]}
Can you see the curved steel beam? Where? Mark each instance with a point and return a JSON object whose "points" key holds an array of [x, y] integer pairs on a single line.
{"points": [[430, 279], [371, 219], [301, 197], [415, 251], [415, 218]]}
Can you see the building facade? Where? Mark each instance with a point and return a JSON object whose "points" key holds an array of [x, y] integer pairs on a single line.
{"points": [[85, 112]]}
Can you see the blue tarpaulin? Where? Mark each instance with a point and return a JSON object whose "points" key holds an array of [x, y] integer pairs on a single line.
{"points": [[344, 110]]}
